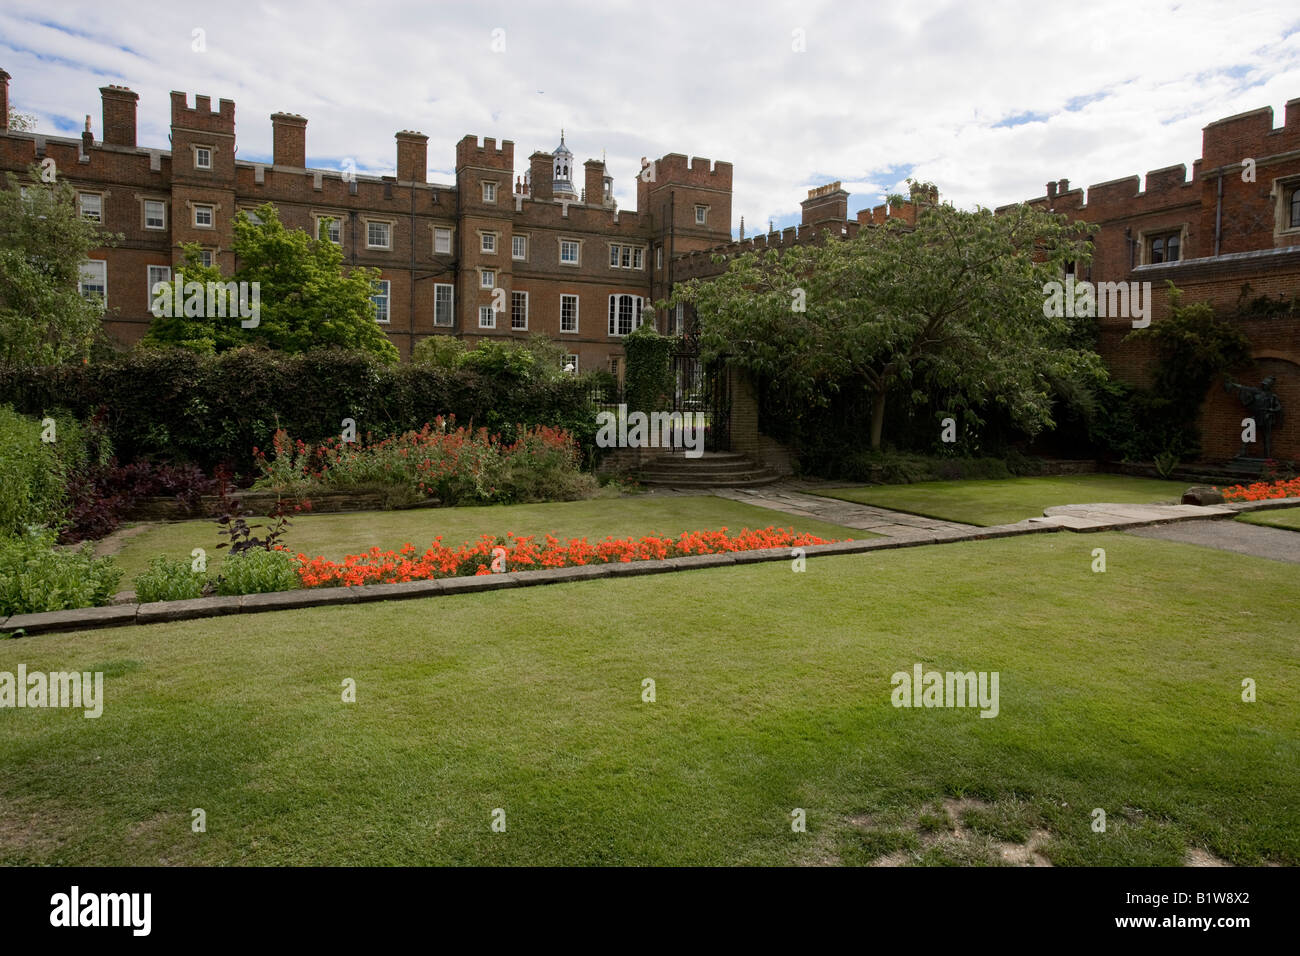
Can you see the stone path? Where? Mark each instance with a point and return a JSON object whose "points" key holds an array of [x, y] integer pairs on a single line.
{"points": [[1237, 536], [790, 498]]}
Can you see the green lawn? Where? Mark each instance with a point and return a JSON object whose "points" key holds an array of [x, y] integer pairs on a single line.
{"points": [[1005, 501], [336, 535], [1119, 691], [1288, 518]]}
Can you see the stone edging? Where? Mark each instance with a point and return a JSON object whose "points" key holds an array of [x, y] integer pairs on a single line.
{"points": [[119, 615]]}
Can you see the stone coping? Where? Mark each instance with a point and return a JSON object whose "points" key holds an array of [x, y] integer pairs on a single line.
{"points": [[120, 615]]}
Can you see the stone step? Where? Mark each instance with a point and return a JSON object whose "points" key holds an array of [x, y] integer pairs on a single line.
{"points": [[690, 468], [748, 481]]}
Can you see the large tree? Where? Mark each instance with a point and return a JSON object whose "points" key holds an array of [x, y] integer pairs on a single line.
{"points": [[952, 305], [305, 299], [44, 319]]}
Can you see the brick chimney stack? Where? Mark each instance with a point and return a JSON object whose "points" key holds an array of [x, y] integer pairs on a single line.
{"points": [[594, 173], [289, 140], [119, 115], [829, 203], [1051, 190], [4, 100], [542, 175], [412, 156], [87, 137]]}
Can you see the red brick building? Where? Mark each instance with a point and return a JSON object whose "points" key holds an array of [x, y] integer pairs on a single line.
{"points": [[499, 253], [1228, 234]]}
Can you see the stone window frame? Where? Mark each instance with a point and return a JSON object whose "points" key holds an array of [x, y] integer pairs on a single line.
{"points": [[212, 155], [1284, 189], [98, 194], [577, 263], [701, 214], [482, 239], [194, 215], [144, 213], [495, 188], [1156, 232], [487, 310], [317, 217], [368, 221], [632, 248], [450, 229], [523, 237]]}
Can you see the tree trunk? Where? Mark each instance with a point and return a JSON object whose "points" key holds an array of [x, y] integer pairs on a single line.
{"points": [[877, 418]]}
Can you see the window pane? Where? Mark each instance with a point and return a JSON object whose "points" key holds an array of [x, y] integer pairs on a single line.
{"points": [[1171, 249], [1157, 250]]}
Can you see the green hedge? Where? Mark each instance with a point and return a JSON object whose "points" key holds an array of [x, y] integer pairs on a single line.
{"points": [[175, 405]]}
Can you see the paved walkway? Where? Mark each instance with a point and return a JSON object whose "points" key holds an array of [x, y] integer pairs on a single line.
{"points": [[1253, 539], [790, 498]]}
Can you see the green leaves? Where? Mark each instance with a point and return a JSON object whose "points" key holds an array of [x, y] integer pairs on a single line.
{"points": [[953, 303], [44, 320], [305, 299]]}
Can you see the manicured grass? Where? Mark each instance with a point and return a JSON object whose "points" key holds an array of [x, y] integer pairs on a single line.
{"points": [[337, 535], [1119, 690], [1005, 501], [1288, 518]]}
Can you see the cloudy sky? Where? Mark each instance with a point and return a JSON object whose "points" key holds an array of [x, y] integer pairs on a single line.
{"points": [[989, 100]]}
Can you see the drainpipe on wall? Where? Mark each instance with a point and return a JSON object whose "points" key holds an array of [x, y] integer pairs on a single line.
{"points": [[1218, 216]]}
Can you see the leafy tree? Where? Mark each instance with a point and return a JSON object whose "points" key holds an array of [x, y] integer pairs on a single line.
{"points": [[305, 299], [44, 319], [953, 305]]}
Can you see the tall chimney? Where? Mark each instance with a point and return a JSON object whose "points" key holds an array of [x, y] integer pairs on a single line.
{"points": [[825, 204], [119, 115], [1051, 190], [542, 175], [289, 140], [594, 173], [4, 100], [1063, 187], [412, 156]]}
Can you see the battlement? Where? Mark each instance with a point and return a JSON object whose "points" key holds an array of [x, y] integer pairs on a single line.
{"points": [[699, 171], [489, 154], [880, 215], [201, 115]]}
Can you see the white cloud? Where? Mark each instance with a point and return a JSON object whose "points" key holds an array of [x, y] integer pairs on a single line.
{"points": [[881, 88]]}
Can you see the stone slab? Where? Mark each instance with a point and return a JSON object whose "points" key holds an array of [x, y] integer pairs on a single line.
{"points": [[304, 597], [187, 610], [398, 591], [85, 618]]}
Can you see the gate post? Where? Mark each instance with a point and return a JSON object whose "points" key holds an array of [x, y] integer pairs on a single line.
{"points": [[744, 412]]}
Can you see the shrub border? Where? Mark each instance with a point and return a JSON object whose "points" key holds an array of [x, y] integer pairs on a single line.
{"points": [[121, 615]]}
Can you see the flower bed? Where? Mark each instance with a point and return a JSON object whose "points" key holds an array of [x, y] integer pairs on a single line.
{"points": [[1263, 490], [454, 464], [512, 553]]}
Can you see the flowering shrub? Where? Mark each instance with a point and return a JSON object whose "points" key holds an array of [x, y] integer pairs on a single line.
{"points": [[1263, 490], [527, 554], [452, 464]]}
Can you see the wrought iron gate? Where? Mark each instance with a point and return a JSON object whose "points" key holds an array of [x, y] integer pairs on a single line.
{"points": [[701, 394]]}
